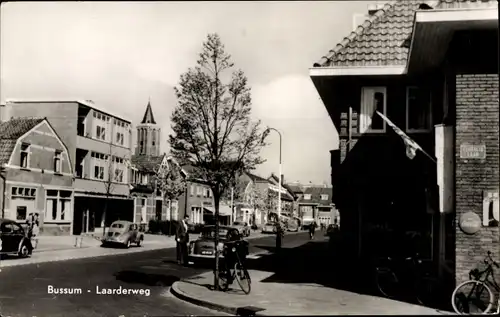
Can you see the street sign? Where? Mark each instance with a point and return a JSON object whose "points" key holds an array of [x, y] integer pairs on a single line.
{"points": [[470, 223], [472, 151]]}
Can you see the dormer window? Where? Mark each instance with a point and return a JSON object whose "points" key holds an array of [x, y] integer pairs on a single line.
{"points": [[307, 197], [25, 156], [324, 197], [57, 162]]}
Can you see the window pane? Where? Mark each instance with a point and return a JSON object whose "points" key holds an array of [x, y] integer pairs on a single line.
{"points": [[63, 208], [14, 191], [64, 193], [33, 192], [50, 202], [418, 108], [21, 213], [54, 209], [52, 193], [378, 102], [96, 171]]}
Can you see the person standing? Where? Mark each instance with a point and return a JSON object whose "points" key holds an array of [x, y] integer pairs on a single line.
{"points": [[35, 231], [182, 238], [312, 230]]}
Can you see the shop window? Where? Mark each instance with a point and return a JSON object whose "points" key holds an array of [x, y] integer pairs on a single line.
{"points": [[58, 205]]}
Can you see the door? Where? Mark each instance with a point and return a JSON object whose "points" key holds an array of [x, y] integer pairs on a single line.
{"points": [[7, 237], [158, 210]]}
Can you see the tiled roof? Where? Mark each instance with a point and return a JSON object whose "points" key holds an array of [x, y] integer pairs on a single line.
{"points": [[466, 4], [147, 163], [12, 130], [295, 189], [148, 115], [379, 40], [257, 178], [316, 193]]}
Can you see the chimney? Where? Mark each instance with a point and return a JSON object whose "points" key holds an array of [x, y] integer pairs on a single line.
{"points": [[374, 8]]}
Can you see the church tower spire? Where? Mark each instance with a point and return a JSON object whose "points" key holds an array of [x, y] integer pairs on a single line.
{"points": [[148, 134]]}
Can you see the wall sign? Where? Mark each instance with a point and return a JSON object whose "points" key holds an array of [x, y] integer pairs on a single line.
{"points": [[472, 151], [470, 223]]}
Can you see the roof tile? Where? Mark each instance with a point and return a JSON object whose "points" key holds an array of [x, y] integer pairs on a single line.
{"points": [[12, 130], [379, 40], [147, 163]]}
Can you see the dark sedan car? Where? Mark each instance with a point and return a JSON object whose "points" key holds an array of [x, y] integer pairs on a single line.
{"points": [[203, 249], [14, 239]]}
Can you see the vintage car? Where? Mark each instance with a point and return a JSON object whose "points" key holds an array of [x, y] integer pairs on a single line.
{"points": [[123, 233], [269, 227], [242, 227], [14, 239], [203, 249]]}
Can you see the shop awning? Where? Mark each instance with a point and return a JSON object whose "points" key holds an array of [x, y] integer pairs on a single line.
{"points": [[224, 210]]}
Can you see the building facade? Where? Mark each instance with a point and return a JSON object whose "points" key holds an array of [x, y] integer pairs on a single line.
{"points": [[316, 205], [37, 175], [99, 146], [438, 83]]}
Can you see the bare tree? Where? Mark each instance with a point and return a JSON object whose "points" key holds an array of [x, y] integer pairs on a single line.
{"points": [[256, 198], [211, 124], [172, 184], [108, 185]]}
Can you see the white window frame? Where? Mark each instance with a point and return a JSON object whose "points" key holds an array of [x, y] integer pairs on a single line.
{"points": [[324, 197], [58, 200], [57, 162], [118, 177], [366, 115], [307, 196], [429, 118], [26, 151], [97, 162], [102, 135]]}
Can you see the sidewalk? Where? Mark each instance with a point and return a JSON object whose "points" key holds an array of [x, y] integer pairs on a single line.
{"points": [[61, 248], [294, 284]]}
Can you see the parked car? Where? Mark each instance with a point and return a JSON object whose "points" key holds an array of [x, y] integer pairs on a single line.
{"points": [[203, 248], [269, 227], [14, 239], [242, 227], [123, 233]]}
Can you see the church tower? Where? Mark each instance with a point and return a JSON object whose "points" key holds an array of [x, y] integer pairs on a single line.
{"points": [[148, 135]]}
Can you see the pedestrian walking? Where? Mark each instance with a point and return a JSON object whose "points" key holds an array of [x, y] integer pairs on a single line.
{"points": [[182, 239], [312, 229]]}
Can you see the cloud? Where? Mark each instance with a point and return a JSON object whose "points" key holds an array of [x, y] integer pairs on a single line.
{"points": [[292, 105]]}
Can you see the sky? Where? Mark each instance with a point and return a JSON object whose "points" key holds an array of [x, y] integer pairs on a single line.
{"points": [[120, 54]]}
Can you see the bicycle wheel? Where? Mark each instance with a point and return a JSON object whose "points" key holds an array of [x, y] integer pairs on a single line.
{"points": [[472, 297], [242, 277], [386, 281]]}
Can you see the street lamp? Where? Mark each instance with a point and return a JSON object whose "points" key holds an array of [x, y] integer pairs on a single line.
{"points": [[279, 180]]}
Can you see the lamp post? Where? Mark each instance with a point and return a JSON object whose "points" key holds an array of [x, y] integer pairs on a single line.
{"points": [[279, 180]]}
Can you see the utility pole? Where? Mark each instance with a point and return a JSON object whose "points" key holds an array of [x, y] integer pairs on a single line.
{"points": [[232, 206]]}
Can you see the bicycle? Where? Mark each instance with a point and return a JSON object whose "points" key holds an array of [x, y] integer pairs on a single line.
{"points": [[478, 281], [390, 282], [237, 271]]}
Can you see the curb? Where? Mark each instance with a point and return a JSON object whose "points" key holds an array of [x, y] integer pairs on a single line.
{"points": [[174, 290]]}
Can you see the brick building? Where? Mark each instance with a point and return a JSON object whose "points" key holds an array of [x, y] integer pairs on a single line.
{"points": [[99, 148], [316, 205], [37, 175], [431, 67]]}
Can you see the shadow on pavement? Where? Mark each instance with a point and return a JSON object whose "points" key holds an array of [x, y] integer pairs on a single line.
{"points": [[315, 262], [135, 277]]}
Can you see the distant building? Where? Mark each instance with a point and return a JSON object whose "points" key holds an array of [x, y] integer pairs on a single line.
{"points": [[38, 175], [2, 113], [316, 205], [99, 149], [148, 135]]}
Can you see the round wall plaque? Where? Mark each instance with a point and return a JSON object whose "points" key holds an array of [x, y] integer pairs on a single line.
{"points": [[470, 223]]}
